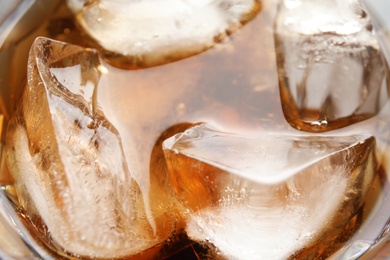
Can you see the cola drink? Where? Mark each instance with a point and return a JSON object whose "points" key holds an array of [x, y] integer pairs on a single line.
{"points": [[168, 145]]}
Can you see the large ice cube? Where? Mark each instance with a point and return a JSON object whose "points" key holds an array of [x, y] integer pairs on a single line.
{"points": [[331, 71], [152, 32], [269, 197], [68, 162]]}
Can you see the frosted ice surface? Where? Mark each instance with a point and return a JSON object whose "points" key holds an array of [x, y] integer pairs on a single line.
{"points": [[309, 17], [68, 161], [269, 196], [331, 70], [161, 31]]}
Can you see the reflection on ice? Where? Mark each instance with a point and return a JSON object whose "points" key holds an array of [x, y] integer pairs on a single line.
{"points": [[68, 161], [106, 150], [273, 196], [156, 32], [332, 16], [331, 71]]}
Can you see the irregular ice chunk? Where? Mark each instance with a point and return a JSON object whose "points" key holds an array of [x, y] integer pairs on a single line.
{"points": [[331, 71], [68, 163], [269, 197], [152, 32]]}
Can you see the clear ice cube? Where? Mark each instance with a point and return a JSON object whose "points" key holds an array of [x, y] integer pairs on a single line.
{"points": [[272, 196], [331, 71], [151, 32], [72, 179]]}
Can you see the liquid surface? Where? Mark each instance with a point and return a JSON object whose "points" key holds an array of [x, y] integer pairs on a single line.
{"points": [[87, 106]]}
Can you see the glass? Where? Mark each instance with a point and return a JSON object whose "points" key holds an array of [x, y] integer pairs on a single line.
{"points": [[250, 106]]}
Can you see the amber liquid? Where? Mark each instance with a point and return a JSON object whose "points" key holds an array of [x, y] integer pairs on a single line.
{"points": [[233, 85]]}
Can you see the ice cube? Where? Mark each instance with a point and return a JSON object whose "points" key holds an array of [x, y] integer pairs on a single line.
{"points": [[67, 159], [331, 71], [269, 197], [151, 32]]}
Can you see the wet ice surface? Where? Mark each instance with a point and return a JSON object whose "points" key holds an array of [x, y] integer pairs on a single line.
{"points": [[141, 106], [132, 108], [273, 196], [334, 16], [331, 70], [68, 160], [155, 32]]}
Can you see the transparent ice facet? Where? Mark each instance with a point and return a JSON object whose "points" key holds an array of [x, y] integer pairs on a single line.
{"points": [[151, 32], [67, 159], [269, 197], [331, 71]]}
